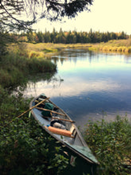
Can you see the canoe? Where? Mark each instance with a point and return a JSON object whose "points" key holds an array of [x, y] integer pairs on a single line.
{"points": [[60, 126]]}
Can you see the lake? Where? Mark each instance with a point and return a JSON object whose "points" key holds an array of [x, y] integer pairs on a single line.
{"points": [[88, 85]]}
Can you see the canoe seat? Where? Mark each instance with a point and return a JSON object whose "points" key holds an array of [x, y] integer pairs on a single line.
{"points": [[73, 131]]}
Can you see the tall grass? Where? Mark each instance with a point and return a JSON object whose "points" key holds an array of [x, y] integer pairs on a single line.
{"points": [[15, 68], [111, 143], [40, 50], [121, 46]]}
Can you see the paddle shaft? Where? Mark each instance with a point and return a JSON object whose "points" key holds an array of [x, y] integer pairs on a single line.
{"points": [[27, 110], [33, 107], [50, 111]]}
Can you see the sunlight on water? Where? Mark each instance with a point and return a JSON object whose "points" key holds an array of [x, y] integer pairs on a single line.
{"points": [[88, 85]]}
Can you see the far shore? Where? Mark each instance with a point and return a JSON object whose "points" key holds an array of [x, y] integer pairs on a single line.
{"points": [[44, 50], [119, 46]]}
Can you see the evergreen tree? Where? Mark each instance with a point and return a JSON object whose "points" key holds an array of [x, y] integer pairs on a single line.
{"points": [[40, 37], [122, 35], [30, 36]]}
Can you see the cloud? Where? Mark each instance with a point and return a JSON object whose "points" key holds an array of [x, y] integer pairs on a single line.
{"points": [[72, 87]]}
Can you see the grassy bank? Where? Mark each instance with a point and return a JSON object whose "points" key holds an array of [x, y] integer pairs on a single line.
{"points": [[119, 46], [111, 143], [25, 59], [16, 66], [40, 50]]}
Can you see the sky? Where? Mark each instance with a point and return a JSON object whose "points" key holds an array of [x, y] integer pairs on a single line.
{"points": [[105, 16]]}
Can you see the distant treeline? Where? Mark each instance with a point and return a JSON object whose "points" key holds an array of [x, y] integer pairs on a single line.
{"points": [[70, 37]]}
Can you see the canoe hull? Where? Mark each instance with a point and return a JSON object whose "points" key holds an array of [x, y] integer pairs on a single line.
{"points": [[80, 157]]}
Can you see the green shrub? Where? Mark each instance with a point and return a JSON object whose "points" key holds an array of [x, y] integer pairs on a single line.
{"points": [[119, 49], [34, 54], [110, 143], [129, 49], [105, 48], [123, 49], [25, 149], [24, 146], [114, 49]]}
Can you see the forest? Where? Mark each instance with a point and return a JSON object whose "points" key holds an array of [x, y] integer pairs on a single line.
{"points": [[68, 37]]}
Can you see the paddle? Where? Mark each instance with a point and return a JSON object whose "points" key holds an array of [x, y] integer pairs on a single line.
{"points": [[28, 110], [33, 107], [50, 111]]}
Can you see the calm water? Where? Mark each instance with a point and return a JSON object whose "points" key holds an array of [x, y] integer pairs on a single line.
{"points": [[88, 85]]}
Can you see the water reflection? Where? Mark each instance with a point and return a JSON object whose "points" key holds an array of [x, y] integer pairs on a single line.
{"points": [[88, 84]]}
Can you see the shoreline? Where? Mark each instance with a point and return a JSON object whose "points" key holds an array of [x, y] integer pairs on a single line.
{"points": [[113, 46]]}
